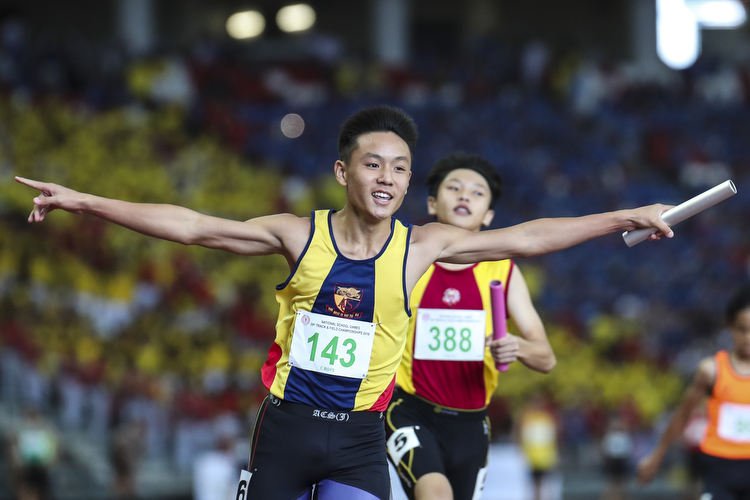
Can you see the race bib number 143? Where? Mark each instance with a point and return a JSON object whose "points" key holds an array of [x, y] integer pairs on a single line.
{"points": [[336, 346]]}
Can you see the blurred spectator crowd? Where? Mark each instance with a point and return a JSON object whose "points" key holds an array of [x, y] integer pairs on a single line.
{"points": [[101, 328]]}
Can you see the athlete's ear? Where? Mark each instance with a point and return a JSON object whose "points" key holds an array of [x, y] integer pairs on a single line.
{"points": [[339, 169], [487, 219], [431, 202]]}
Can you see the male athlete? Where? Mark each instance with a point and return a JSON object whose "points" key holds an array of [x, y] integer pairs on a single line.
{"points": [[724, 379], [437, 421], [331, 369]]}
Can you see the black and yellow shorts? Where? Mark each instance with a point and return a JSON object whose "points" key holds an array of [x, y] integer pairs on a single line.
{"points": [[298, 452], [425, 438]]}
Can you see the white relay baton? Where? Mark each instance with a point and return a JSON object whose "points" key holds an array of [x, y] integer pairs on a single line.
{"points": [[684, 210]]}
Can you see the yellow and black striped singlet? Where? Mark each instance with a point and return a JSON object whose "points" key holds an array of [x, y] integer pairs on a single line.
{"points": [[326, 282]]}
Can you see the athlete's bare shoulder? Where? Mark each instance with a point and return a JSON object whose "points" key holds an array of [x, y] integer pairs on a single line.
{"points": [[705, 374], [428, 240], [434, 233], [282, 234], [441, 242], [426, 245], [289, 231]]}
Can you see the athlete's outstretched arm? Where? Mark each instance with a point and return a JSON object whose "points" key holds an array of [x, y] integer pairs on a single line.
{"points": [[536, 237], [698, 390], [532, 348], [261, 236]]}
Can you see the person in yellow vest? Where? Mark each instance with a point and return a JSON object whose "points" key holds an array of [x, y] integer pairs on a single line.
{"points": [[725, 380], [344, 309], [447, 374], [538, 436]]}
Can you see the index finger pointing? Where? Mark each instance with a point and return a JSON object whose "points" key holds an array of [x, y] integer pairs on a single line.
{"points": [[29, 182], [44, 187]]}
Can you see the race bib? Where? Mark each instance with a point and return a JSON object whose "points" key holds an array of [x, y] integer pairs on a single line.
{"points": [[479, 486], [401, 441], [734, 422], [336, 346], [450, 334], [242, 486]]}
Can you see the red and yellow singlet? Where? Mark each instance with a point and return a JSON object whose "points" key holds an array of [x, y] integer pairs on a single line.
{"points": [[465, 385]]}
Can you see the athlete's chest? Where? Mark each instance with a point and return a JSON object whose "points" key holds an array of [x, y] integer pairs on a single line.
{"points": [[452, 289]]}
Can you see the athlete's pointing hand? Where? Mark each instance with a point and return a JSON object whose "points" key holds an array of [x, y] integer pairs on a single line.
{"points": [[52, 196]]}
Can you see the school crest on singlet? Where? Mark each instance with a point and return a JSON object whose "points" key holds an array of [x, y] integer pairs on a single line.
{"points": [[451, 297], [347, 298]]}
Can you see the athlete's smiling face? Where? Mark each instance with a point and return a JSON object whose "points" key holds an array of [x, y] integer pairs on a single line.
{"points": [[463, 200], [377, 175], [741, 333]]}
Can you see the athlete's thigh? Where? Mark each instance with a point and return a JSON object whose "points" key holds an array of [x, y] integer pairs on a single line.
{"points": [[357, 459], [466, 448], [332, 490], [412, 446], [285, 453]]}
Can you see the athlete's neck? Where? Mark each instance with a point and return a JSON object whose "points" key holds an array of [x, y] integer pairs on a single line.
{"points": [[740, 364], [359, 239]]}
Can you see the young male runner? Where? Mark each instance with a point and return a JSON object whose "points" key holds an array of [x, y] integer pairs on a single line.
{"points": [[724, 379], [437, 421], [344, 308]]}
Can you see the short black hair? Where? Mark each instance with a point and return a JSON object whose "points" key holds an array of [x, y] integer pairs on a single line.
{"points": [[739, 301], [454, 161], [376, 119]]}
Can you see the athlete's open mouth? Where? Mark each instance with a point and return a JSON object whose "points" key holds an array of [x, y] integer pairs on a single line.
{"points": [[382, 196], [462, 210]]}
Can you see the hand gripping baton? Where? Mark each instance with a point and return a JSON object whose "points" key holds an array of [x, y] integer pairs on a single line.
{"points": [[684, 210], [497, 298]]}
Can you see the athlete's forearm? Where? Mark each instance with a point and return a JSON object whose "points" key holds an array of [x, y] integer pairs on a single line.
{"points": [[674, 430], [169, 222], [544, 236], [693, 397], [259, 236], [162, 221], [537, 356], [679, 420], [549, 235]]}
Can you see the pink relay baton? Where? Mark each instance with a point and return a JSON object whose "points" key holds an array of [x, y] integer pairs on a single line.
{"points": [[497, 297]]}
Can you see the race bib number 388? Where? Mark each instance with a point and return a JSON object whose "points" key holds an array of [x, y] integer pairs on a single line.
{"points": [[336, 346], [450, 334]]}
